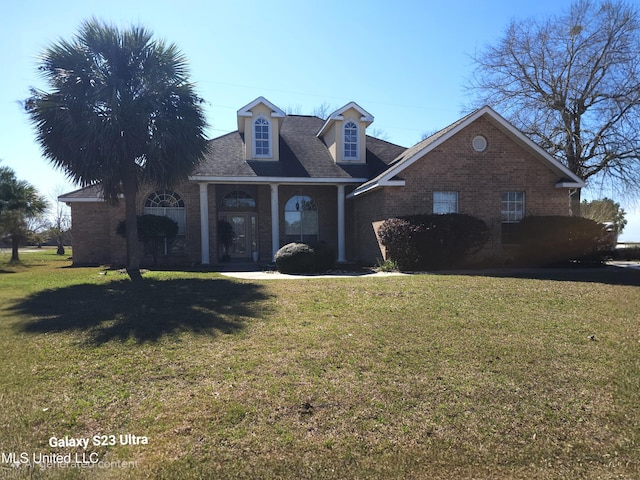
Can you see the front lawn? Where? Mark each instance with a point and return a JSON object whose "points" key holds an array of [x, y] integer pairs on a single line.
{"points": [[419, 376]]}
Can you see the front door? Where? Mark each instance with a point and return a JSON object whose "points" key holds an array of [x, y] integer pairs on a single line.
{"points": [[241, 246]]}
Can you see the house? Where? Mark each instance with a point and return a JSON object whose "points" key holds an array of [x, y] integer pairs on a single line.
{"points": [[290, 178]]}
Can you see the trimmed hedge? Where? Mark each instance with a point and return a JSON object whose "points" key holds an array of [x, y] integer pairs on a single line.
{"points": [[557, 239], [428, 241], [302, 258]]}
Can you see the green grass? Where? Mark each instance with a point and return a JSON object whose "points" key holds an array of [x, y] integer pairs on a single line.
{"points": [[421, 376]]}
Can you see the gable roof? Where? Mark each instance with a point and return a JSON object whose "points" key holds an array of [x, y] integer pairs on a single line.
{"points": [[365, 116], [91, 193], [304, 157], [419, 150], [246, 110]]}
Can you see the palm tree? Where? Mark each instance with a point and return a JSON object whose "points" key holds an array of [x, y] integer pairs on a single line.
{"points": [[121, 112], [19, 203]]}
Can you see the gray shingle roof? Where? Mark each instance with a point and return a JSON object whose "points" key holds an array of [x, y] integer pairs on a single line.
{"points": [[86, 193], [302, 155]]}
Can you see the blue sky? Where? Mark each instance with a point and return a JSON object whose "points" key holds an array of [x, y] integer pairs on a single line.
{"points": [[405, 62]]}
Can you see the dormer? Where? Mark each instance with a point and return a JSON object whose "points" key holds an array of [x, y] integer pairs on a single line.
{"points": [[260, 123], [344, 133]]}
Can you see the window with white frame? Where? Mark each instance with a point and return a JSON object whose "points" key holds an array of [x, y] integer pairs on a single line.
{"points": [[445, 202], [238, 199], [262, 137], [512, 212], [301, 220], [350, 140], [169, 204]]}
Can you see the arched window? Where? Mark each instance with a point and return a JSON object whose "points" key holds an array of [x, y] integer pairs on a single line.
{"points": [[350, 140], [301, 220], [238, 199], [169, 204], [262, 137]]}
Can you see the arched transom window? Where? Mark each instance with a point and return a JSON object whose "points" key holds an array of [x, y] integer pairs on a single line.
{"points": [[350, 140], [238, 199], [164, 199], [169, 204], [262, 137], [301, 219]]}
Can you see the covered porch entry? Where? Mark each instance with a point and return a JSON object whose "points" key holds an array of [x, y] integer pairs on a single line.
{"points": [[266, 215]]}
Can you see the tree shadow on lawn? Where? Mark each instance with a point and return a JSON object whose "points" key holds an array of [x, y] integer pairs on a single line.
{"points": [[145, 312], [610, 275]]}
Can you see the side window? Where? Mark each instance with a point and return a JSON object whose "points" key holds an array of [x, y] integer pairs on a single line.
{"points": [[445, 202], [350, 140], [169, 204], [262, 137], [301, 220], [512, 212]]}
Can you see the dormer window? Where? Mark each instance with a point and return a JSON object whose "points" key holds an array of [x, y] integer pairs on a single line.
{"points": [[350, 139], [262, 137]]}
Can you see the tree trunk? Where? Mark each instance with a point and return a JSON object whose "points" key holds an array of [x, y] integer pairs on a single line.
{"points": [[574, 202], [14, 249], [130, 188]]}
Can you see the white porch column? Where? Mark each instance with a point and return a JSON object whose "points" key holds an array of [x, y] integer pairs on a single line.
{"points": [[204, 223], [341, 242], [275, 220]]}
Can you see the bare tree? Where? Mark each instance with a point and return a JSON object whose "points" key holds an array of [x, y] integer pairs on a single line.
{"points": [[293, 110], [322, 111], [378, 133], [60, 221], [572, 83]]}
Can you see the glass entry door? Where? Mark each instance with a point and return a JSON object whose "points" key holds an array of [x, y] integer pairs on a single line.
{"points": [[241, 246]]}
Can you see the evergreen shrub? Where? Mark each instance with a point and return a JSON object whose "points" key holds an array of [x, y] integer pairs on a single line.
{"points": [[429, 241], [302, 258], [557, 239]]}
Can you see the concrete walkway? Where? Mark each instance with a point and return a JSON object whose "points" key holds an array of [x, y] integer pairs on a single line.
{"points": [[274, 275], [254, 272]]}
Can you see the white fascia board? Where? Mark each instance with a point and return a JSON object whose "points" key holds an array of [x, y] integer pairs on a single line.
{"points": [[279, 180], [486, 110], [326, 124], [80, 199], [245, 111], [393, 171], [571, 185], [373, 186], [533, 145], [365, 116]]}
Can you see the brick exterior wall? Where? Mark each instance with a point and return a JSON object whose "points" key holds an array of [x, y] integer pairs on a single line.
{"points": [[94, 232], [326, 199], [96, 242], [479, 179], [94, 224]]}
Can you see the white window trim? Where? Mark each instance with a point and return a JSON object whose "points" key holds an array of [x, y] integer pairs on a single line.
{"points": [[447, 192], [176, 212], [344, 143], [288, 208], [269, 137], [508, 211]]}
